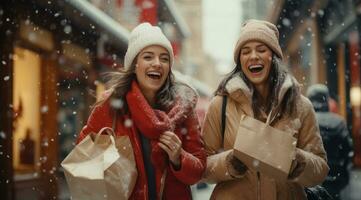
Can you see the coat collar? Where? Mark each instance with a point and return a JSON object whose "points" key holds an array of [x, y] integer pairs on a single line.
{"points": [[241, 93]]}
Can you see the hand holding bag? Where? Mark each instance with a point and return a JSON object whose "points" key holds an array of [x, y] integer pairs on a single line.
{"points": [[101, 169], [313, 193], [264, 148]]}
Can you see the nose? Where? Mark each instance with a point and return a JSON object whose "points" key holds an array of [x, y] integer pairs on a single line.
{"points": [[254, 54], [156, 62]]}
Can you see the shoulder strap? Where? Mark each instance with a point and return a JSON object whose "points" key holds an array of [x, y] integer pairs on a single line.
{"points": [[224, 107]]}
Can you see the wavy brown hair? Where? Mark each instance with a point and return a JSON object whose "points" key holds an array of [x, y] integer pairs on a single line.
{"points": [[276, 78]]}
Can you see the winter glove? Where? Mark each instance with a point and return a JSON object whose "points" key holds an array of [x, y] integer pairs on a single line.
{"points": [[298, 165], [235, 167]]}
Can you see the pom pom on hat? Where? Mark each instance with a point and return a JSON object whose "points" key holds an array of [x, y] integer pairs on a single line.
{"points": [[258, 30], [146, 35]]}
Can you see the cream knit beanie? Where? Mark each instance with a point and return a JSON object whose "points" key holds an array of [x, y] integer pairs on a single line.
{"points": [[142, 36], [261, 31]]}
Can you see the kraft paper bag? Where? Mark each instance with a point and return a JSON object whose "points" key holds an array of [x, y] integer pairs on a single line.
{"points": [[264, 148], [101, 169]]}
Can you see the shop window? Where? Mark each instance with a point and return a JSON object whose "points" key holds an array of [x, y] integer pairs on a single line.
{"points": [[26, 104]]}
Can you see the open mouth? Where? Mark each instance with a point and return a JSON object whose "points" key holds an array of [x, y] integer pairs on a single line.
{"points": [[154, 75], [255, 68]]}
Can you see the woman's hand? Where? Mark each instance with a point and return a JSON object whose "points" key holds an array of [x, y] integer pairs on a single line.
{"points": [[297, 166], [171, 144], [237, 166]]}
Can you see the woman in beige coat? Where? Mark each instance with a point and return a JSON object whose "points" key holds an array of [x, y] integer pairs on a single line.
{"points": [[260, 88]]}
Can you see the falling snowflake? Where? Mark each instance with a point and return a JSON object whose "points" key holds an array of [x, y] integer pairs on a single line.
{"points": [[128, 123], [6, 78], [45, 143], [320, 12], [43, 159], [116, 103], [2, 135], [184, 131], [44, 109], [286, 22], [255, 163], [32, 36], [67, 29]]}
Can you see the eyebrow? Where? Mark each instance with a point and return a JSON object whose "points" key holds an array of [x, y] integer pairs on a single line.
{"points": [[259, 45], [164, 54], [150, 52], [144, 52]]}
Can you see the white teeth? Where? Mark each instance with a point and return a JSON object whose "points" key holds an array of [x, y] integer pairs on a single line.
{"points": [[154, 73], [255, 66]]}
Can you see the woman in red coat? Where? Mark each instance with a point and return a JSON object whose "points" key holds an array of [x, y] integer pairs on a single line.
{"points": [[157, 114]]}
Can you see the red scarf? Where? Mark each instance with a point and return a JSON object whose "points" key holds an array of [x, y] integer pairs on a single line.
{"points": [[152, 122]]}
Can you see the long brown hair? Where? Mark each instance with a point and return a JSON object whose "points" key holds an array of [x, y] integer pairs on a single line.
{"points": [[276, 78]]}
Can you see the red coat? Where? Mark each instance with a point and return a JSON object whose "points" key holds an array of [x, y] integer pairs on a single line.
{"points": [[193, 157]]}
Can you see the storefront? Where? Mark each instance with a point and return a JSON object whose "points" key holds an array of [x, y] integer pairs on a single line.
{"points": [[341, 39], [49, 64], [52, 56]]}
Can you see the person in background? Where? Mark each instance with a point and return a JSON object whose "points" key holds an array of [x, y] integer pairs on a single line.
{"points": [[260, 87], [157, 113], [336, 140]]}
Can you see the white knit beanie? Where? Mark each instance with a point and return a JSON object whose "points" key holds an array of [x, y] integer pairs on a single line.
{"points": [[142, 36], [261, 31]]}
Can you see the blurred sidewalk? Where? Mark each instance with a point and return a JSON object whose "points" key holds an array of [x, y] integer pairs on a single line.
{"points": [[353, 190]]}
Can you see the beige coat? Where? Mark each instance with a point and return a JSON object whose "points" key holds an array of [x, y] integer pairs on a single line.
{"points": [[250, 185]]}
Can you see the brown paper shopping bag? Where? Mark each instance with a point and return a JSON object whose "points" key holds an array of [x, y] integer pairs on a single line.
{"points": [[101, 169], [264, 148]]}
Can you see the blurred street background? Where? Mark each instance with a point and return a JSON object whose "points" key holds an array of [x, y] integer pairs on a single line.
{"points": [[53, 53]]}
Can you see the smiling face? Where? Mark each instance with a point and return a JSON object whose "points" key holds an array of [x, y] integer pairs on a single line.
{"points": [[256, 59], [152, 69]]}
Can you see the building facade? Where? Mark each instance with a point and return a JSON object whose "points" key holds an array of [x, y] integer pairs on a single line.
{"points": [[195, 62], [52, 55]]}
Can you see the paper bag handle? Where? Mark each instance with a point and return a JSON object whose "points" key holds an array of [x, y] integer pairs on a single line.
{"points": [[114, 126], [111, 134]]}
